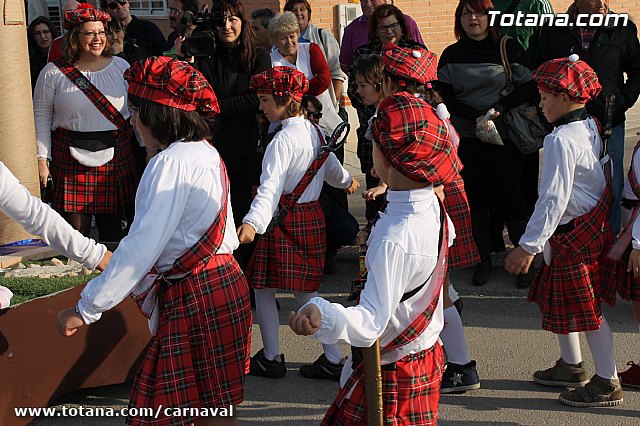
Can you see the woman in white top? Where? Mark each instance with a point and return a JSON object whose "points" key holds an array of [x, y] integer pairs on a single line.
{"points": [[84, 144]]}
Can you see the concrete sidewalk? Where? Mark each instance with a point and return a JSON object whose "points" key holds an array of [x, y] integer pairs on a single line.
{"points": [[503, 333]]}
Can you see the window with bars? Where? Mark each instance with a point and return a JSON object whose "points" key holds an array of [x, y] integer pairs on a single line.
{"points": [[154, 8]]}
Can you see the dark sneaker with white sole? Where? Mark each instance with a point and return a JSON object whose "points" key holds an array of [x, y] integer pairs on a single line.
{"points": [[261, 366], [562, 375], [599, 392], [460, 378], [322, 368]]}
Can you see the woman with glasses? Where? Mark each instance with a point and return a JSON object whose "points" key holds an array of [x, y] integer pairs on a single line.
{"points": [[386, 25], [40, 35], [471, 78], [82, 128]]}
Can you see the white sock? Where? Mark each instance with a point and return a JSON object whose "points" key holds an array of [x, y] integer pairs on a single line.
{"points": [[453, 294], [570, 348], [452, 336], [601, 344], [268, 320], [332, 352]]}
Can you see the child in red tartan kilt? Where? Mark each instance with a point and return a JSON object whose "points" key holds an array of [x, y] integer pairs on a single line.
{"points": [[570, 226], [290, 253], [623, 274], [401, 303], [177, 260]]}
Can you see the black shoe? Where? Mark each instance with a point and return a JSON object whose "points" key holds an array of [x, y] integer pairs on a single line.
{"points": [[459, 305], [322, 368], [482, 273], [460, 378], [525, 280], [261, 366]]}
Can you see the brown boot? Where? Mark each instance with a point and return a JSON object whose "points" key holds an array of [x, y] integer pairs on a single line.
{"points": [[562, 375], [598, 392]]}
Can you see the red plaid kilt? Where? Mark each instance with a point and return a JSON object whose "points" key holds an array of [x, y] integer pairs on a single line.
{"points": [[615, 278], [463, 253], [93, 190], [291, 256], [198, 356], [569, 291], [410, 393]]}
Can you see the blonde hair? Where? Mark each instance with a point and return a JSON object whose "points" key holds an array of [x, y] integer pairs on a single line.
{"points": [[284, 23]]}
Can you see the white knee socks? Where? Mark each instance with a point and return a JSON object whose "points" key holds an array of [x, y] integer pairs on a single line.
{"points": [[601, 345], [570, 348], [267, 319], [332, 352], [452, 337]]}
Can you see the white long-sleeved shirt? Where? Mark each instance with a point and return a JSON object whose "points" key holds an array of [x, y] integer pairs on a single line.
{"points": [[178, 198], [402, 253], [571, 183], [286, 160], [39, 219], [58, 102]]}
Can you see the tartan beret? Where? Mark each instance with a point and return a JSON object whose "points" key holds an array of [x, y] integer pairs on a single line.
{"points": [[84, 13], [569, 75], [280, 81], [173, 83], [414, 140], [418, 64]]}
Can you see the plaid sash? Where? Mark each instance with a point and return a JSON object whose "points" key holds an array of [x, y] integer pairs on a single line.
{"points": [[419, 324], [96, 97], [624, 239], [287, 202], [145, 293]]}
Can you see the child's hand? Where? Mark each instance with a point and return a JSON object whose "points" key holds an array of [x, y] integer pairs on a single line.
{"points": [[439, 190], [246, 233], [307, 321], [518, 261], [104, 262], [373, 193], [634, 263], [353, 187], [69, 321]]}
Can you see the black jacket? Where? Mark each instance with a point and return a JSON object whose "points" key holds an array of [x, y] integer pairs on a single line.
{"points": [[614, 51], [235, 130]]}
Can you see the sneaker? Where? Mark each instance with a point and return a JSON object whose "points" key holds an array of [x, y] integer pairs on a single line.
{"points": [[460, 378], [631, 377], [562, 375], [482, 272], [322, 368], [261, 366], [459, 306], [598, 392]]}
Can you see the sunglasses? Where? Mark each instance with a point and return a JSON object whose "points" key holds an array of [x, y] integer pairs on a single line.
{"points": [[317, 115], [114, 4]]}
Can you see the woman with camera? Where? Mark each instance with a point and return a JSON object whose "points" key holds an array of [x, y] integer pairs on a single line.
{"points": [[235, 131]]}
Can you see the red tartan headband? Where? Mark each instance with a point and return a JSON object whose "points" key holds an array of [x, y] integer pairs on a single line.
{"points": [[418, 64], [84, 13], [280, 81], [569, 75], [414, 140], [172, 83]]}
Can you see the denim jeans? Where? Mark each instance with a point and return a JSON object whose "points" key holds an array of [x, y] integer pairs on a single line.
{"points": [[616, 151]]}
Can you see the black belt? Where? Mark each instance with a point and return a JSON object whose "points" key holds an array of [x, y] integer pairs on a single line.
{"points": [[567, 227], [92, 141]]}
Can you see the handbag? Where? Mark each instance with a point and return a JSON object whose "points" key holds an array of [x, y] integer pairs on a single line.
{"points": [[526, 125]]}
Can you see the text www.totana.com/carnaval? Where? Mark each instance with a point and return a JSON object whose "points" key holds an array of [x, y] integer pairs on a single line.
{"points": [[160, 411]]}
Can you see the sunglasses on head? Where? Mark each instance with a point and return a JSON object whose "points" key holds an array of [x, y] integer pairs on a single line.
{"points": [[114, 4], [317, 115]]}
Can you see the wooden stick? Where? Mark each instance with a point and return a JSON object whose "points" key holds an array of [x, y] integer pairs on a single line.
{"points": [[373, 384]]}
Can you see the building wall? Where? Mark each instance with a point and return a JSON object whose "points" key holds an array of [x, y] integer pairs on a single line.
{"points": [[434, 17]]}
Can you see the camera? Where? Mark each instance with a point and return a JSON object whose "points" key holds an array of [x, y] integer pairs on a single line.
{"points": [[202, 41]]}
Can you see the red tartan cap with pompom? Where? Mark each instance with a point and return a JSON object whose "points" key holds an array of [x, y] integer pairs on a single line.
{"points": [[280, 81], [418, 64], [569, 75], [173, 83], [84, 13], [414, 140]]}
